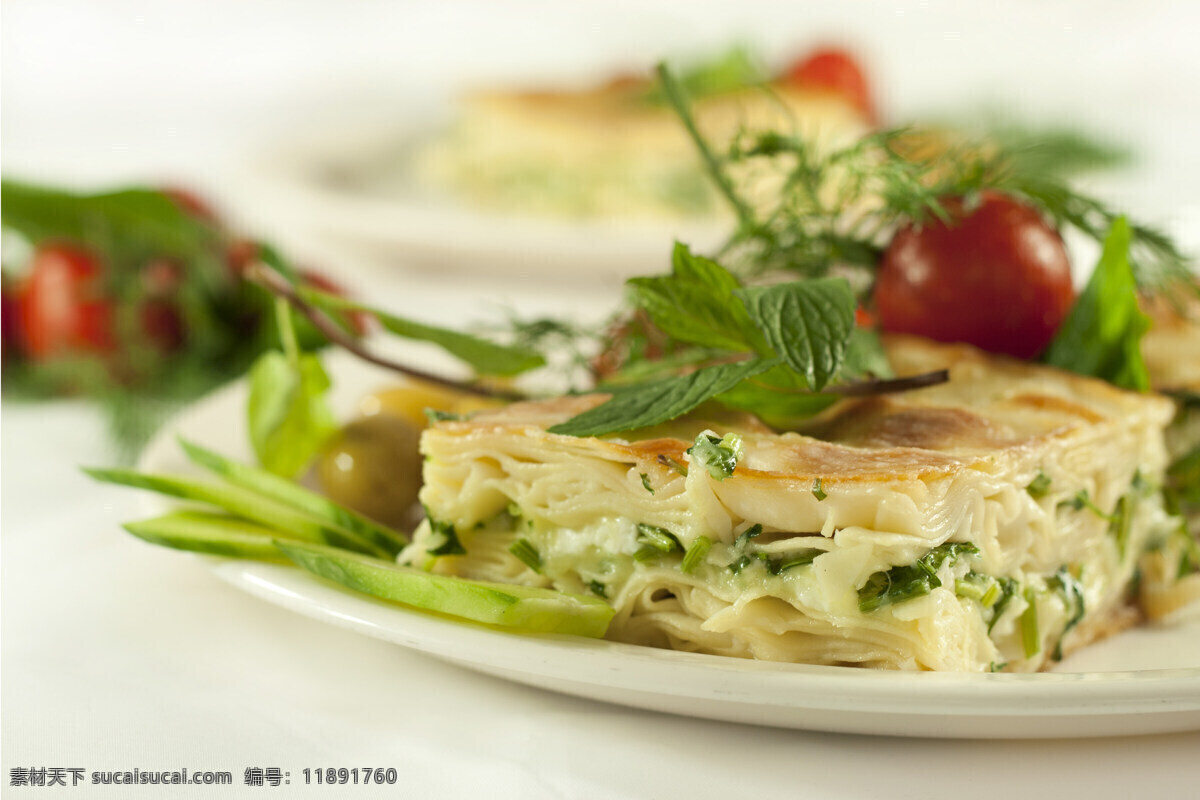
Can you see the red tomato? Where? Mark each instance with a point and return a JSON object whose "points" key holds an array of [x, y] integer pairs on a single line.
{"points": [[997, 277], [837, 71], [161, 324], [62, 307]]}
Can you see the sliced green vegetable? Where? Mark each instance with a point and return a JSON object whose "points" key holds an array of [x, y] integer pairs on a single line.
{"points": [[293, 494], [1030, 637], [214, 534], [519, 607], [244, 503]]}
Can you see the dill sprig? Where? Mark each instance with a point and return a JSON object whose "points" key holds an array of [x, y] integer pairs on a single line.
{"points": [[837, 207]]}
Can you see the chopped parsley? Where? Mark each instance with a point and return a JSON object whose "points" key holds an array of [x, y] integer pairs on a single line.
{"points": [[1068, 586], [696, 554], [718, 455], [450, 545], [914, 580], [655, 542], [1039, 486]]}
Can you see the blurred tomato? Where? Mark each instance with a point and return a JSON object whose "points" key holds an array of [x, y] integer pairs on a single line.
{"points": [[61, 306], [997, 276], [837, 71]]}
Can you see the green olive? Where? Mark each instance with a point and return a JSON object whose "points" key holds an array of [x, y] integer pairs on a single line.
{"points": [[373, 466]]}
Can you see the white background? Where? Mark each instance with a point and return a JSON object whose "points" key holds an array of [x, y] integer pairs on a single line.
{"points": [[115, 655]]}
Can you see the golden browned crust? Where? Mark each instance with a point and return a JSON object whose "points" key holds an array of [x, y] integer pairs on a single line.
{"points": [[991, 406]]}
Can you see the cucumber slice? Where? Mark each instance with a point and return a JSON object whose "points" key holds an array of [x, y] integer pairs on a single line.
{"points": [[243, 503], [521, 607], [214, 534], [294, 495]]}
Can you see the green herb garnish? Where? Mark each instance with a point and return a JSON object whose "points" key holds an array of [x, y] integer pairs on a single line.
{"points": [[527, 554], [1102, 334], [791, 338], [1030, 636], [805, 229], [1039, 486], [655, 542], [450, 545], [696, 554], [915, 580], [718, 455], [1071, 591]]}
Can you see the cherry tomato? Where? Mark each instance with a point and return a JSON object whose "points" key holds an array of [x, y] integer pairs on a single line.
{"points": [[161, 324], [838, 71], [62, 307], [997, 277]]}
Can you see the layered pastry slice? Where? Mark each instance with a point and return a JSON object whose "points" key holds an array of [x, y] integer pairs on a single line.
{"points": [[991, 522]]}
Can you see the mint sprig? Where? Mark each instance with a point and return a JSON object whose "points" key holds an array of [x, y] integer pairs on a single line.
{"points": [[769, 347]]}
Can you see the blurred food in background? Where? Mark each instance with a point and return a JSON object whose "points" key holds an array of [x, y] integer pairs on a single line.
{"points": [[134, 297], [616, 150]]}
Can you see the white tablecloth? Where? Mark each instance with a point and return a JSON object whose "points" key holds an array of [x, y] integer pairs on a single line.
{"points": [[116, 655]]}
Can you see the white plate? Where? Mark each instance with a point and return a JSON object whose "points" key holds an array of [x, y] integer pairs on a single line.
{"points": [[347, 180], [1143, 681]]}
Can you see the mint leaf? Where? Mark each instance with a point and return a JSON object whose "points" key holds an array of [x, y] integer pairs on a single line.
{"points": [[485, 357], [779, 397], [692, 304], [1102, 334], [289, 417], [865, 356], [807, 323], [649, 404]]}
